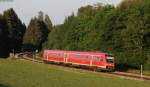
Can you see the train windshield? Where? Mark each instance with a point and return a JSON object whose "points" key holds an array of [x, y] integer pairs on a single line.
{"points": [[110, 59]]}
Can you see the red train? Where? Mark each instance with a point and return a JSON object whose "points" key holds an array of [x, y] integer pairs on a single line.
{"points": [[101, 61]]}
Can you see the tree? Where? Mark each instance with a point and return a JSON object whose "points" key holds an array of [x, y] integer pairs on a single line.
{"points": [[33, 36], [15, 30], [54, 39], [3, 38], [41, 16], [86, 11], [48, 22]]}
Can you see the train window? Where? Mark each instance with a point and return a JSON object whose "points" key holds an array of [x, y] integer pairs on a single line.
{"points": [[97, 58], [51, 54], [109, 59], [81, 57], [86, 57], [54, 54], [77, 56], [100, 59]]}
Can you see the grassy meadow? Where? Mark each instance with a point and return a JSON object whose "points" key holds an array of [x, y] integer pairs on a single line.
{"points": [[22, 73]]}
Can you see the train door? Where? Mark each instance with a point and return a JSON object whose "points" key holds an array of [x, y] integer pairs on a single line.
{"points": [[97, 60], [65, 57]]}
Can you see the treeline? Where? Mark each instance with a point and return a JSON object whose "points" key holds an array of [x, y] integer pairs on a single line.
{"points": [[123, 31], [15, 37]]}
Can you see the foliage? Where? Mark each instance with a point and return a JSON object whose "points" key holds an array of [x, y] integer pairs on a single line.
{"points": [[3, 37], [33, 35], [15, 30], [12, 31], [123, 30], [48, 22], [37, 33]]}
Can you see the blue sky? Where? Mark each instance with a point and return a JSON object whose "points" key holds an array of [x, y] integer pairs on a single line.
{"points": [[58, 10]]}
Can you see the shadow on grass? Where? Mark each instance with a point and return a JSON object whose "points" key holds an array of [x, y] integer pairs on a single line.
{"points": [[122, 67], [125, 68], [2, 85]]}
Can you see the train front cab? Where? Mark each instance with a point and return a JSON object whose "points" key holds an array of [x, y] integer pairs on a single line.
{"points": [[110, 65]]}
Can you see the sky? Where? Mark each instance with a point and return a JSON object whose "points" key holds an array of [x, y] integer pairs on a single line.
{"points": [[57, 10]]}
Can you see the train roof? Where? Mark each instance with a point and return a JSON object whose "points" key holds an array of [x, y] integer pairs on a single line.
{"points": [[93, 53]]}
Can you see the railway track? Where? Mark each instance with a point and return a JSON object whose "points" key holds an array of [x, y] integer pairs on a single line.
{"points": [[28, 56]]}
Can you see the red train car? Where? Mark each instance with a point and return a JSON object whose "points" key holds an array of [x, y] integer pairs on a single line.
{"points": [[91, 59]]}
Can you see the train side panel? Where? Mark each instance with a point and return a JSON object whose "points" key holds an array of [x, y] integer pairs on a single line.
{"points": [[54, 55], [78, 58], [98, 60]]}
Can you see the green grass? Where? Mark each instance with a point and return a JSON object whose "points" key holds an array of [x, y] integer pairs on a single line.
{"points": [[145, 72], [20, 73]]}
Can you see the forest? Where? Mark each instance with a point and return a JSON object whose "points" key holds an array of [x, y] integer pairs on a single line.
{"points": [[122, 30]]}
